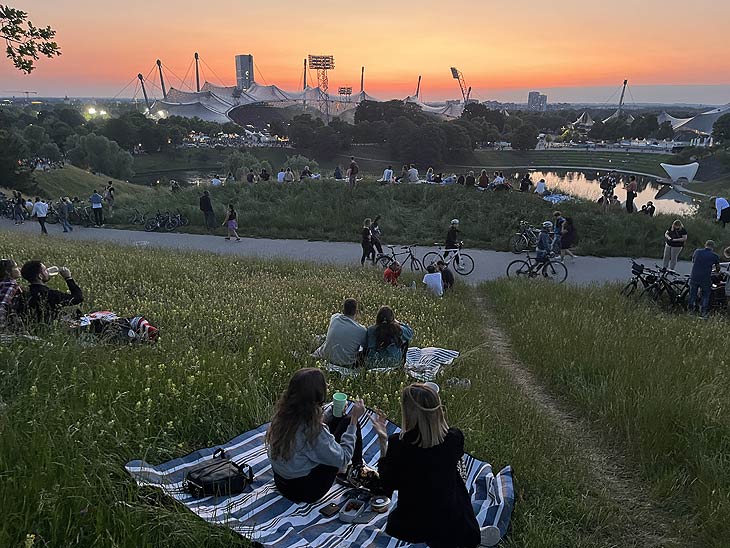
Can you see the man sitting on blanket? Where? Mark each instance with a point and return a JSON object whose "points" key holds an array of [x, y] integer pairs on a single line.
{"points": [[345, 338]]}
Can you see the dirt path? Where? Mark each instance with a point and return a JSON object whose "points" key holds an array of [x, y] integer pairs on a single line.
{"points": [[650, 526]]}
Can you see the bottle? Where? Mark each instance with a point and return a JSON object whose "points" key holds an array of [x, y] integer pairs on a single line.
{"points": [[52, 270]]}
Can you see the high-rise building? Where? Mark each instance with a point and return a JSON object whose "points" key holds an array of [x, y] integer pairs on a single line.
{"points": [[244, 71], [536, 101]]}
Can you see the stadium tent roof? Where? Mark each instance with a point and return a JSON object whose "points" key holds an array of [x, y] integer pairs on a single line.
{"points": [[449, 110], [584, 120], [191, 110], [687, 171], [617, 114], [703, 123], [664, 117]]}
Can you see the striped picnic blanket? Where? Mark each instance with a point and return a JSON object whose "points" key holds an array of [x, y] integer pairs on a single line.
{"points": [[423, 364], [262, 515]]}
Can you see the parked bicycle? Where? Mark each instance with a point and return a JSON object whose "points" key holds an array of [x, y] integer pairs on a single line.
{"points": [[161, 221], [525, 238], [386, 259], [462, 262], [549, 269], [643, 277], [136, 217], [81, 216], [670, 290]]}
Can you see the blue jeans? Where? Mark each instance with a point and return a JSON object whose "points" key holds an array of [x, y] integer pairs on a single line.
{"points": [[706, 289], [66, 225]]}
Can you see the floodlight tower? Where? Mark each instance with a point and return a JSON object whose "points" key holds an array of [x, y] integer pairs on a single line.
{"points": [[465, 92], [345, 93], [323, 63], [621, 101], [197, 72], [418, 88]]}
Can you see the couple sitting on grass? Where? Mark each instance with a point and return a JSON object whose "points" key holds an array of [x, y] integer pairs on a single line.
{"points": [[38, 303], [309, 448], [350, 344]]}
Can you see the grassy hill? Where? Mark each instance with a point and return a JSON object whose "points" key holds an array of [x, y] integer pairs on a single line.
{"points": [[72, 181]]}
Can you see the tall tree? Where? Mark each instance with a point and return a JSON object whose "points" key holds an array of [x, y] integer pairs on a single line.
{"points": [[25, 42], [721, 129]]}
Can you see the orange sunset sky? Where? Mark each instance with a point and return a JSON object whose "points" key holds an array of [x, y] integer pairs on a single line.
{"points": [[670, 51]]}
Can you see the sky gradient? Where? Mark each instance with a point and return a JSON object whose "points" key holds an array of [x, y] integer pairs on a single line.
{"points": [[578, 51]]}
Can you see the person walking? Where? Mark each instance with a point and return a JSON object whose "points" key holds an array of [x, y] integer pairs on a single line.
{"points": [[631, 193], [674, 239], [19, 210], [231, 222], [352, 172], [97, 208], [366, 241], [704, 261], [207, 208], [65, 208], [568, 236], [40, 211], [109, 197]]}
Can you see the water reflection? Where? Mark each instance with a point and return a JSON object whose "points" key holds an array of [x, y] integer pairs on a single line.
{"points": [[584, 184]]}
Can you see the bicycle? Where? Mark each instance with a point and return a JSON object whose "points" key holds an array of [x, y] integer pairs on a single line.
{"points": [[80, 216], [182, 220], [671, 293], [136, 217], [161, 221], [554, 271], [525, 239], [463, 263], [642, 275], [385, 259]]}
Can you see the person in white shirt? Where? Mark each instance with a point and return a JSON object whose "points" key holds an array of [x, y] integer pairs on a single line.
{"points": [[345, 338], [216, 181], [541, 188], [413, 176], [280, 176], [434, 281], [40, 212], [387, 175], [723, 210]]}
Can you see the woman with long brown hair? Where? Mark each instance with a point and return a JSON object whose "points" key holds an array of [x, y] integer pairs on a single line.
{"points": [[307, 449], [421, 463], [387, 340]]}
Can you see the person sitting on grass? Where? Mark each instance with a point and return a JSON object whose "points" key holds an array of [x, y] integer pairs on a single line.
{"points": [[433, 281], [483, 179], [305, 174], [413, 176], [470, 179], [43, 305], [288, 175], [280, 175], [250, 176], [306, 447], [650, 209], [429, 175], [392, 273], [338, 173], [447, 277], [387, 340], [541, 188], [421, 463], [345, 337], [10, 292], [264, 175], [388, 176]]}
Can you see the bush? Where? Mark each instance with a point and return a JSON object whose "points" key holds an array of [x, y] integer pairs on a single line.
{"points": [[98, 153]]}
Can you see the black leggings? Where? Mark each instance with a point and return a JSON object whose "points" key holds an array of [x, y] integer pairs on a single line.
{"points": [[374, 246], [314, 486], [367, 250], [98, 218]]}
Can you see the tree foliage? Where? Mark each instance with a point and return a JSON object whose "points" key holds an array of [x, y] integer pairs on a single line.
{"points": [[25, 43], [721, 129], [101, 155], [524, 137]]}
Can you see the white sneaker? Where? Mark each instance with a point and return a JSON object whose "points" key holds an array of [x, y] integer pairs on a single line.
{"points": [[490, 536]]}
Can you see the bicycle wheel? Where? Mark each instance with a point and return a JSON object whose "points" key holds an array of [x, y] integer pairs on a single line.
{"points": [[518, 269], [184, 221], [151, 225], [431, 257], [415, 265], [171, 224], [384, 261], [465, 266], [52, 218], [518, 243], [629, 288], [650, 294], [554, 271]]}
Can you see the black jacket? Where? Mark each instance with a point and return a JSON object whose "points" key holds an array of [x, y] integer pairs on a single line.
{"points": [[205, 204], [43, 304], [433, 504]]}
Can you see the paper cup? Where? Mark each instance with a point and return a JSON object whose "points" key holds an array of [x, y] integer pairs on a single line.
{"points": [[490, 536], [339, 401], [433, 386]]}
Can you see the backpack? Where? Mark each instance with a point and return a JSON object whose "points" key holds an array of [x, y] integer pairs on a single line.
{"points": [[218, 477], [605, 184]]}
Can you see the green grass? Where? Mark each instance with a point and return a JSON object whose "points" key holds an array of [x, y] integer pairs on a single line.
{"points": [[71, 415], [326, 210], [72, 181], [653, 383]]}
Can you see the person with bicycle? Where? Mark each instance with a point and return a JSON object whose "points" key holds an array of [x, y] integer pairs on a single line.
{"points": [[544, 242], [375, 238], [453, 239], [366, 242], [704, 262]]}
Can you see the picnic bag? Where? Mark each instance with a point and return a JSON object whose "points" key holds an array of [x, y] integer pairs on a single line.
{"points": [[218, 477]]}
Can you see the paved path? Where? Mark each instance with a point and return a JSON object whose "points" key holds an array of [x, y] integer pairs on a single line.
{"points": [[489, 265]]}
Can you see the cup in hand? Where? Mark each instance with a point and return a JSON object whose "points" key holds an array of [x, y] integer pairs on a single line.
{"points": [[339, 401], [53, 270]]}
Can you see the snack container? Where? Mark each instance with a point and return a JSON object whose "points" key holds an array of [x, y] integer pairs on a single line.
{"points": [[351, 510], [380, 504]]}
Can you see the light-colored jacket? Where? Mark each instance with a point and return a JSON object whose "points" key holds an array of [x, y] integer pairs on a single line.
{"points": [[344, 339]]}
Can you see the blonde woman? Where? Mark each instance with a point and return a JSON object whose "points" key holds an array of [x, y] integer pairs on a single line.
{"points": [[421, 464], [674, 239]]}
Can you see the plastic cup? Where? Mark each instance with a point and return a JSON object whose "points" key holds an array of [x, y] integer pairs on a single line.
{"points": [[490, 535], [339, 401], [52, 270], [433, 386]]}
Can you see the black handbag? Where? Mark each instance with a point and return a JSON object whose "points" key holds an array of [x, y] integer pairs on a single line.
{"points": [[218, 477]]}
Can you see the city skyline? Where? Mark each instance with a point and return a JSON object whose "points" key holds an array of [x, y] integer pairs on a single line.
{"points": [[504, 52]]}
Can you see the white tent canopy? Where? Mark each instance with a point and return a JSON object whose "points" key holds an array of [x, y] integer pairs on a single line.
{"points": [[687, 171]]}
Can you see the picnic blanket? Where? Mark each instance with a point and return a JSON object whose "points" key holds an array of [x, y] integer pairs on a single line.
{"points": [[557, 198], [262, 515], [422, 364]]}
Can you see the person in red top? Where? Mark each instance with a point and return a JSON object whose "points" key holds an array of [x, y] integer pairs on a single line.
{"points": [[392, 273]]}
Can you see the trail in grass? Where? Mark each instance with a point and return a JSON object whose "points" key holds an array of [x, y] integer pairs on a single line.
{"points": [[614, 477]]}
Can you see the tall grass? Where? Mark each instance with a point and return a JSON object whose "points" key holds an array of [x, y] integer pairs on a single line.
{"points": [[232, 332], [657, 384]]}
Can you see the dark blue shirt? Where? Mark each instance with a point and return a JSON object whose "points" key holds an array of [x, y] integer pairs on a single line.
{"points": [[704, 259]]}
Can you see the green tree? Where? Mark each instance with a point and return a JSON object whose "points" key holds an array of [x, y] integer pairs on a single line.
{"points": [[121, 131], [50, 151], [721, 129], [665, 131], [25, 42], [326, 143], [12, 148], [98, 153], [525, 137]]}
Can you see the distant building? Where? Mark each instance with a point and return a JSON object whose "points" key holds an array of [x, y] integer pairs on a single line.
{"points": [[244, 71], [536, 101]]}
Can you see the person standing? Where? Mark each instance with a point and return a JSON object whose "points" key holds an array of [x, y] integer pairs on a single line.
{"points": [[207, 208], [723, 210], [19, 210], [40, 211], [109, 197], [352, 172], [704, 262], [366, 241], [97, 208], [375, 238], [231, 223], [568, 236], [631, 189], [674, 239], [65, 207]]}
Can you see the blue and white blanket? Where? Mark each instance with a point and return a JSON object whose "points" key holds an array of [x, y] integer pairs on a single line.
{"points": [[422, 364], [262, 515]]}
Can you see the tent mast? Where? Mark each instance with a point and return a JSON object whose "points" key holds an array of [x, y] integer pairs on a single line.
{"points": [[362, 80], [144, 92], [162, 80], [621, 101], [304, 95], [418, 88], [197, 72]]}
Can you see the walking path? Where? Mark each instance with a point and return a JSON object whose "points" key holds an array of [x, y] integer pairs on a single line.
{"points": [[489, 265]]}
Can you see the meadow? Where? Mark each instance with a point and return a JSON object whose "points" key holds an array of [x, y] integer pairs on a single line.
{"points": [[232, 332], [657, 385]]}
